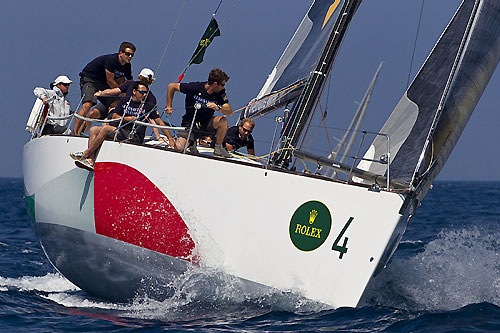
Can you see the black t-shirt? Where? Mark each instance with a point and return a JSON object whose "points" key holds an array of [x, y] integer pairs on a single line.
{"points": [[127, 88], [234, 139], [195, 93], [95, 70], [135, 109]]}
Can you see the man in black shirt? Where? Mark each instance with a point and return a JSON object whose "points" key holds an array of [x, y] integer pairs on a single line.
{"points": [[107, 71], [203, 99], [240, 136], [131, 108], [145, 76]]}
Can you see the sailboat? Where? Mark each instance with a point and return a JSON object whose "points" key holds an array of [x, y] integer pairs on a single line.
{"points": [[143, 217]]}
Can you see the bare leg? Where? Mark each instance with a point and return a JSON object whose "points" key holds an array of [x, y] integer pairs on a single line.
{"points": [[180, 144], [220, 125], [77, 129], [96, 138]]}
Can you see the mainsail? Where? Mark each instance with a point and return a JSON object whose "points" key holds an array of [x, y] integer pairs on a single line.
{"points": [[295, 65], [308, 98], [428, 120]]}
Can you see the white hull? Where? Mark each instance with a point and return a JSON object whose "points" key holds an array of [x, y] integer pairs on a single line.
{"points": [[163, 211]]}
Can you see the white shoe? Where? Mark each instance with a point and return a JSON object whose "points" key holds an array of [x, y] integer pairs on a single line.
{"points": [[76, 156]]}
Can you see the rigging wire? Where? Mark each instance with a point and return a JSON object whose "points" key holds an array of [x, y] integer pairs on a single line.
{"points": [[415, 44], [171, 35]]}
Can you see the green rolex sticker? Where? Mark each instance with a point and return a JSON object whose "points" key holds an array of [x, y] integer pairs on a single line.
{"points": [[310, 225]]}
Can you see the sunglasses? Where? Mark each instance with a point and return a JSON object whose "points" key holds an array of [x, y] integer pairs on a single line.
{"points": [[142, 92], [128, 54], [221, 84], [246, 130], [65, 84]]}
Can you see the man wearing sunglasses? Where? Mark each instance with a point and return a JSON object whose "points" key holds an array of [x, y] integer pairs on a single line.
{"points": [[203, 99], [146, 76], [241, 136], [107, 71], [55, 98], [130, 108]]}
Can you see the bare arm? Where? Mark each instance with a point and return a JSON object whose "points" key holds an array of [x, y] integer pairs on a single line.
{"points": [[171, 140], [110, 79], [126, 118], [172, 88], [225, 109], [108, 92]]}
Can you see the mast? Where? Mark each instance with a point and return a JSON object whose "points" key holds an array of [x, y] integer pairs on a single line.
{"points": [[307, 100]]}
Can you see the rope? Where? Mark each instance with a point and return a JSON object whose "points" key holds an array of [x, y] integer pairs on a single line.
{"points": [[415, 44]]}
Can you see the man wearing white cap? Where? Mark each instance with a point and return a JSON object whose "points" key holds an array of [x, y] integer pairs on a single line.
{"points": [[59, 106], [146, 76]]}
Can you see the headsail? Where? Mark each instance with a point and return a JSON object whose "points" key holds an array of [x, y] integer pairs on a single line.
{"points": [[290, 74], [427, 122]]}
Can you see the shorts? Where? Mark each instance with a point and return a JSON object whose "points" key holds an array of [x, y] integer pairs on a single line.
{"points": [[200, 130], [53, 129], [124, 135], [89, 87], [104, 109]]}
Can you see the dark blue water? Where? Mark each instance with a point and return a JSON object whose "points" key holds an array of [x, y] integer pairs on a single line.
{"points": [[444, 277]]}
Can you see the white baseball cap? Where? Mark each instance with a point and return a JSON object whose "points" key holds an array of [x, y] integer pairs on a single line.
{"points": [[147, 73], [62, 79]]}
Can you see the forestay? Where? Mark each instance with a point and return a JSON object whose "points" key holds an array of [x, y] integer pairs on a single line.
{"points": [[295, 65]]}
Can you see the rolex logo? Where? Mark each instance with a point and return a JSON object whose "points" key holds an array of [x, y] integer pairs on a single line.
{"points": [[309, 236], [312, 216]]}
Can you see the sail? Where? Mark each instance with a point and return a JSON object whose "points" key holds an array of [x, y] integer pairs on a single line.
{"points": [[430, 117], [307, 100], [290, 74]]}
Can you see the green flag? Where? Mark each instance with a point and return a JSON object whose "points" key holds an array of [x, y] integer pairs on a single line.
{"points": [[207, 38]]}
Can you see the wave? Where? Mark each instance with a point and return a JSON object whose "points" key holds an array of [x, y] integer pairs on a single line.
{"points": [[458, 268], [198, 293], [51, 282]]}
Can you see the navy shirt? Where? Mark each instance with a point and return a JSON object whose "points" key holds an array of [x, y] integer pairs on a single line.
{"points": [[127, 88], [195, 93], [135, 109], [95, 70], [234, 139]]}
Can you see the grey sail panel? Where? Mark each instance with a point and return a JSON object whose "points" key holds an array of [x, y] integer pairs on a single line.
{"points": [[290, 74], [410, 123], [475, 69]]}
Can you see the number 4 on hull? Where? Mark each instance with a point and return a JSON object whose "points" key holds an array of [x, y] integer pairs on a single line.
{"points": [[342, 249]]}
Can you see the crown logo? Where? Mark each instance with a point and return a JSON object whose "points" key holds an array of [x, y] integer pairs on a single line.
{"points": [[312, 216]]}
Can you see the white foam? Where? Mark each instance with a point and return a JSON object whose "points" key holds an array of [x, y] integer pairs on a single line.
{"points": [[458, 268], [51, 282], [78, 301]]}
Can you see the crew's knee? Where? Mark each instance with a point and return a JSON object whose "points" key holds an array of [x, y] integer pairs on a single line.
{"points": [[94, 130], [94, 114], [222, 122]]}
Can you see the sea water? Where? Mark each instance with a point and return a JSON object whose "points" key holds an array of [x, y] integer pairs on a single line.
{"points": [[444, 276]]}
